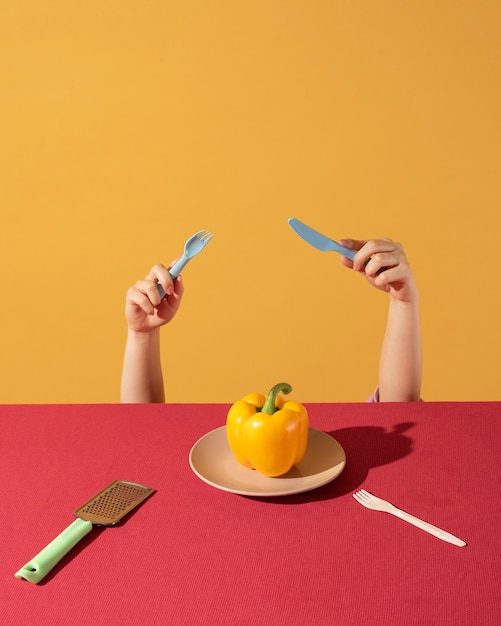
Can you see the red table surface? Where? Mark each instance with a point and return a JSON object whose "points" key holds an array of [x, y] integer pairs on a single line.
{"points": [[195, 555]]}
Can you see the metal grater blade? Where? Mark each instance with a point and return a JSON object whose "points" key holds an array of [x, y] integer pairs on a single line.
{"points": [[114, 502]]}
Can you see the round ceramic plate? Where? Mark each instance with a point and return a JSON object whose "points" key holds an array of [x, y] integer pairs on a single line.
{"points": [[212, 460]]}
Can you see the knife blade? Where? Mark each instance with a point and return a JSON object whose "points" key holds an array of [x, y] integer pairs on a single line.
{"points": [[319, 241]]}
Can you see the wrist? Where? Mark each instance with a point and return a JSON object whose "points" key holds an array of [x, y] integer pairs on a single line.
{"points": [[143, 336], [405, 298], [404, 304]]}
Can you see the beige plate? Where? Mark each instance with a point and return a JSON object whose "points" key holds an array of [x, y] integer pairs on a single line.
{"points": [[212, 460]]}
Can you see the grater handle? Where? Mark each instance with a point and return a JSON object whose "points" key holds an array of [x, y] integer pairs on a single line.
{"points": [[44, 561]]}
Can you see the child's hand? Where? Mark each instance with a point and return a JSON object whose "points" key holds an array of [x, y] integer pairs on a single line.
{"points": [[384, 265], [144, 309]]}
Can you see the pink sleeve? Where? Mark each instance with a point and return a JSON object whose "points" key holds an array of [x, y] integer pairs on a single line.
{"points": [[375, 396]]}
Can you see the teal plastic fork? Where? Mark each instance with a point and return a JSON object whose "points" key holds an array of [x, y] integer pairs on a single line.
{"points": [[195, 244]]}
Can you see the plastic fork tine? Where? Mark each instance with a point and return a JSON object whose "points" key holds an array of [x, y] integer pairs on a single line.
{"points": [[361, 495], [205, 235]]}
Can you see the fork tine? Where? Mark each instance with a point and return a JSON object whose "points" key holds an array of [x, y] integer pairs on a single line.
{"points": [[362, 496], [204, 235]]}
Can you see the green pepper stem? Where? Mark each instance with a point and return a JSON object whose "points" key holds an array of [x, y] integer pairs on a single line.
{"points": [[269, 405]]}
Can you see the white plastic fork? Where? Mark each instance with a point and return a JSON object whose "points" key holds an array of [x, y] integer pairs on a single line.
{"points": [[377, 504], [195, 244]]}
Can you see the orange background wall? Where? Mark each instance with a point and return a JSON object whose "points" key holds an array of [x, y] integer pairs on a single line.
{"points": [[127, 126]]}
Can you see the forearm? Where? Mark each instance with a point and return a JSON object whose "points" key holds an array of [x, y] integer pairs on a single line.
{"points": [[400, 369], [142, 370]]}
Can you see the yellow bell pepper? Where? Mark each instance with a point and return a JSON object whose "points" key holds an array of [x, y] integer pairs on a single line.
{"points": [[267, 433]]}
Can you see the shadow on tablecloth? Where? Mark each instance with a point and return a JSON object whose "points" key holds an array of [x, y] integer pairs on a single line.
{"points": [[365, 447], [75, 551]]}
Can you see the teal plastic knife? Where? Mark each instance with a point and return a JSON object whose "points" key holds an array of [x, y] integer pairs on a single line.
{"points": [[319, 241]]}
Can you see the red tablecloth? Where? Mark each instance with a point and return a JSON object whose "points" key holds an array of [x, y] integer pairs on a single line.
{"points": [[195, 555]]}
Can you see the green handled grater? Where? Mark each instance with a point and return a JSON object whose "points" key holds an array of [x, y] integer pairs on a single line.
{"points": [[105, 509]]}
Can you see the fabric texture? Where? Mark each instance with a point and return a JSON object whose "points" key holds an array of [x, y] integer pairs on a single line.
{"points": [[195, 555]]}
